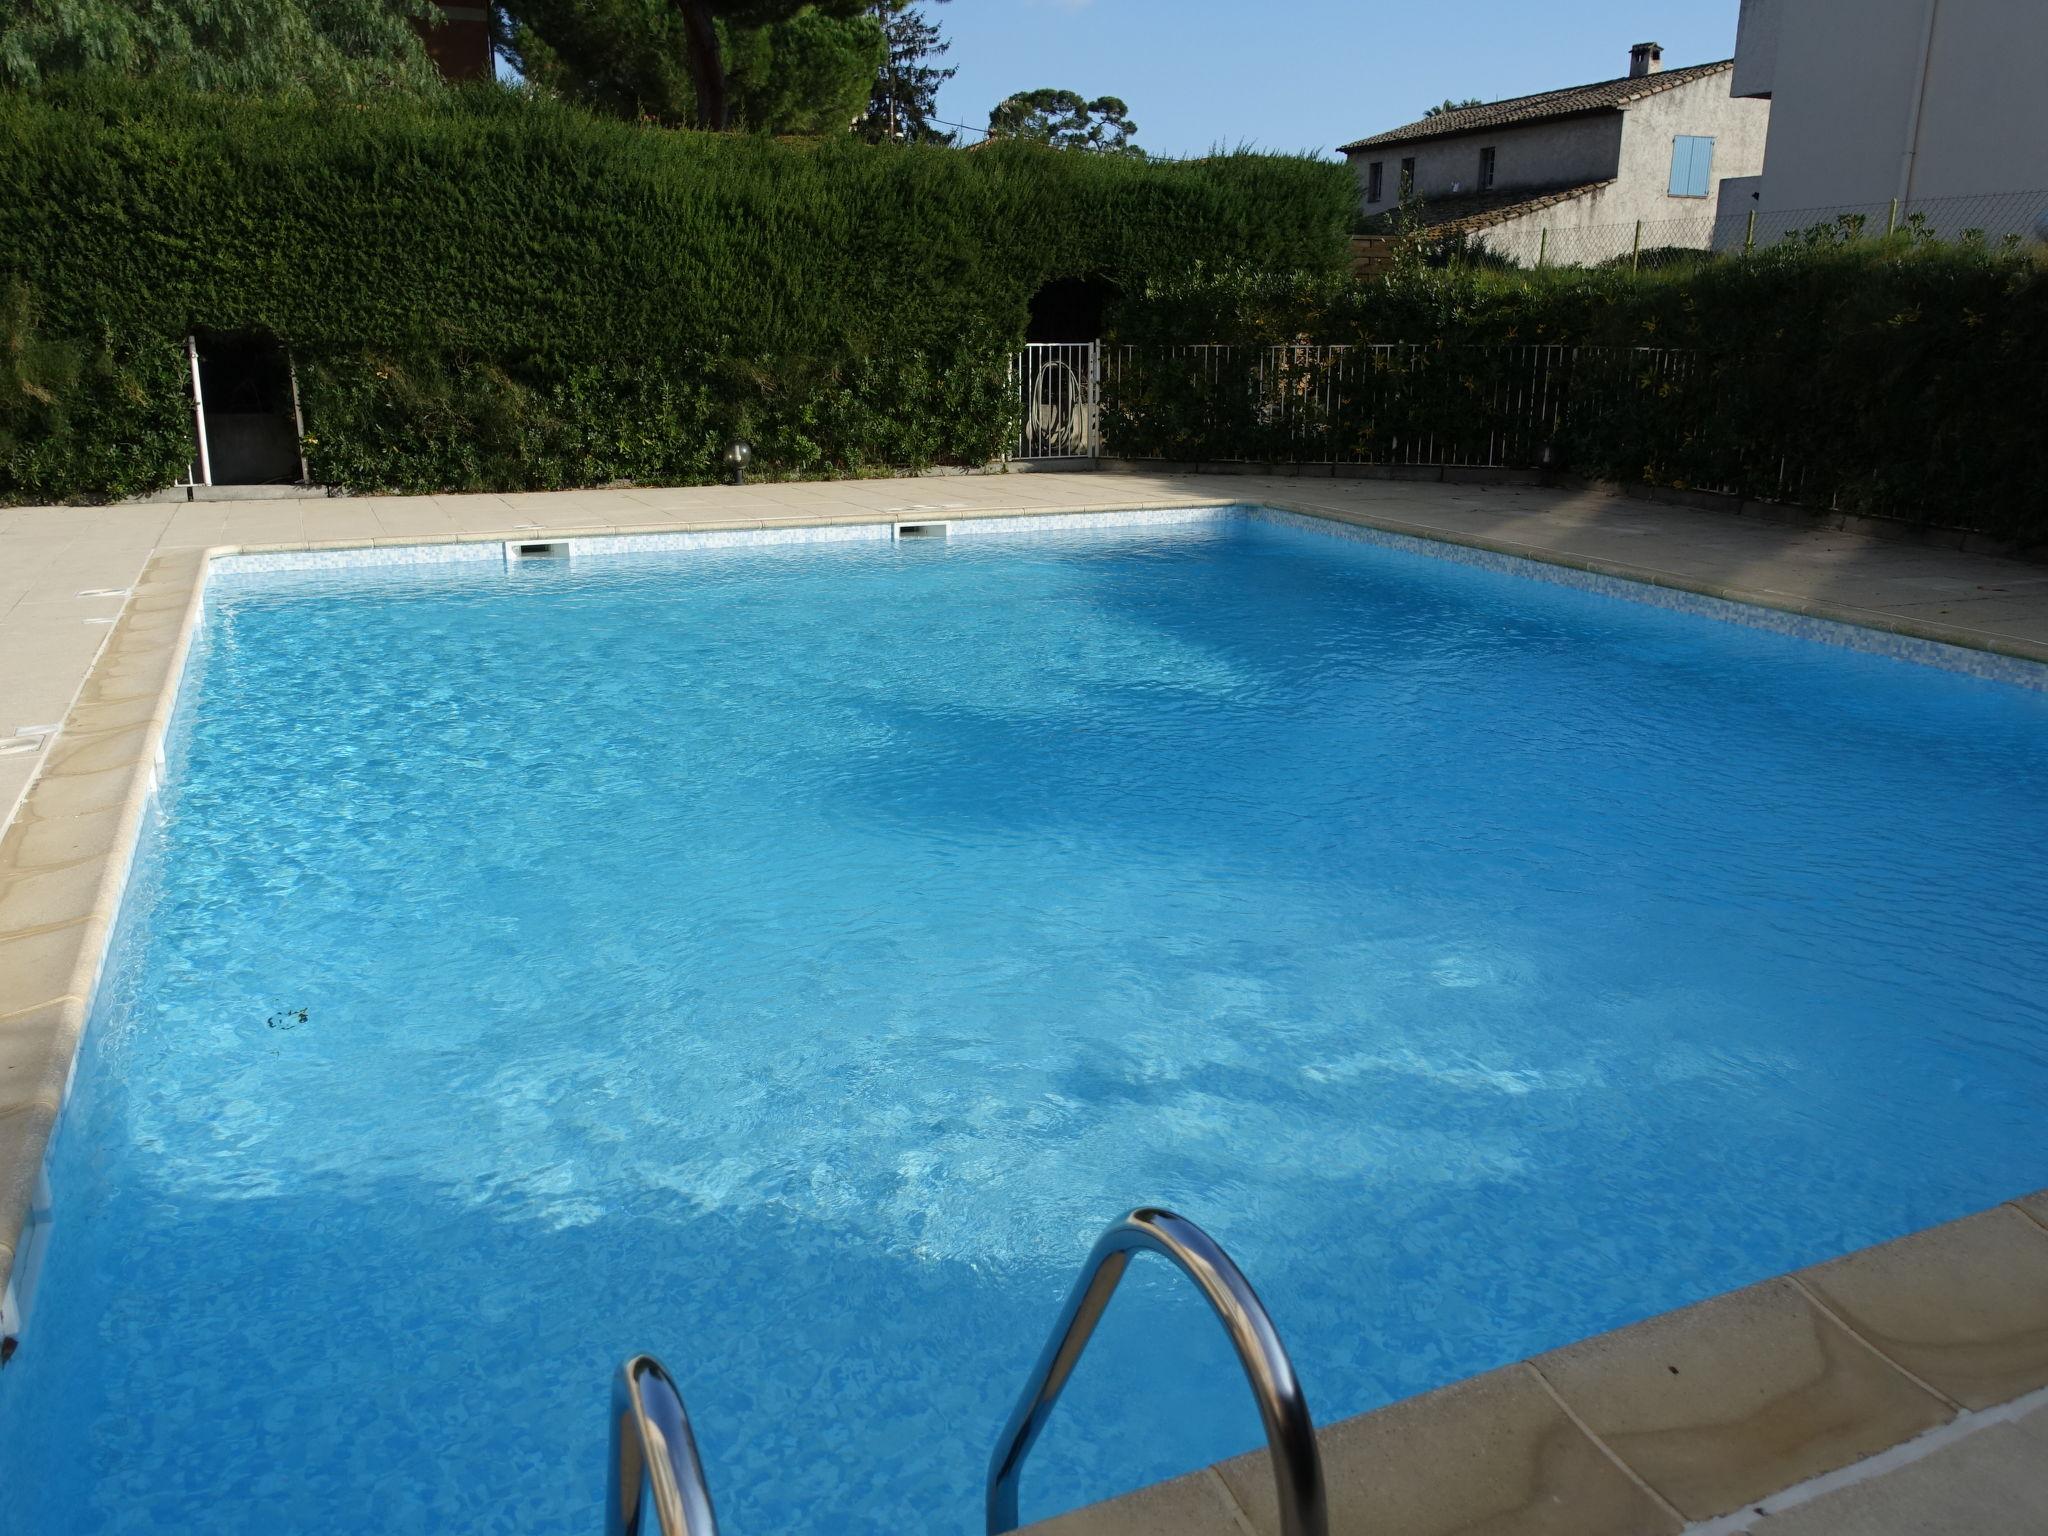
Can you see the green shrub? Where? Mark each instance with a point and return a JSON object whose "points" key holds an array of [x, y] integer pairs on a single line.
{"points": [[81, 417], [1888, 377], [484, 288]]}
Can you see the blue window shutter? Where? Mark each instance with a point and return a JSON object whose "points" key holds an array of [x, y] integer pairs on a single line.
{"points": [[1692, 165], [1702, 166]]}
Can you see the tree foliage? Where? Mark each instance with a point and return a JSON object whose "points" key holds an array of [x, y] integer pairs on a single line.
{"points": [[809, 74], [1066, 120], [1450, 105], [315, 47], [906, 87], [805, 73], [624, 58], [707, 25]]}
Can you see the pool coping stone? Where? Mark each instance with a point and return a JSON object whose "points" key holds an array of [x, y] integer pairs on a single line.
{"points": [[1688, 1421]]}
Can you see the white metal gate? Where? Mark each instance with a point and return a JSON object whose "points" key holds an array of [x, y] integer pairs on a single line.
{"points": [[1058, 384]]}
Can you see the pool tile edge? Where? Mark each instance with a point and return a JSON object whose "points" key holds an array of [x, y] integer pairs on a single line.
{"points": [[1984, 653]]}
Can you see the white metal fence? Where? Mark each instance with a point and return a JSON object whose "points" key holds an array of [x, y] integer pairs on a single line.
{"points": [[1395, 404], [1511, 406], [1057, 386]]}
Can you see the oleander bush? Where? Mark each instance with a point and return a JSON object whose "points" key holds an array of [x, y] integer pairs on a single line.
{"points": [[486, 289], [1886, 377]]}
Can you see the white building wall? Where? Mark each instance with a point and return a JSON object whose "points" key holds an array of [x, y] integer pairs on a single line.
{"points": [[1984, 125], [1600, 225], [1550, 154], [1630, 147], [1738, 127], [1756, 46], [1907, 99]]}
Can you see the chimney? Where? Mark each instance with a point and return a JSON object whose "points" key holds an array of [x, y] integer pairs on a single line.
{"points": [[1645, 59]]}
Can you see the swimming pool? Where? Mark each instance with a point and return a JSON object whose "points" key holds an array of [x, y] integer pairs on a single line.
{"points": [[785, 960]]}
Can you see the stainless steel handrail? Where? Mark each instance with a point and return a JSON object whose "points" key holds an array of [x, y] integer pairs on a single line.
{"points": [[653, 1450], [1290, 1432]]}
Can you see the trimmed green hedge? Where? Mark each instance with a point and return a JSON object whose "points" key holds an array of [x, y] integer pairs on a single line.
{"points": [[1890, 378], [486, 290], [489, 290], [84, 416]]}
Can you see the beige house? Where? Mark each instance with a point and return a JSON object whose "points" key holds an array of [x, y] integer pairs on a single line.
{"points": [[1566, 176]]}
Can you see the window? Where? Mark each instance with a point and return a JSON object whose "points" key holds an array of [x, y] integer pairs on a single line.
{"points": [[1692, 166], [1376, 181], [1407, 177], [1486, 168]]}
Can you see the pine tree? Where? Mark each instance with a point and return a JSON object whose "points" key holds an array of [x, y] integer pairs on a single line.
{"points": [[1066, 120], [906, 91], [708, 25], [804, 72]]}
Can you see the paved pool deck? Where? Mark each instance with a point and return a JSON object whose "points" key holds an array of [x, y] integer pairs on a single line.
{"points": [[1887, 1394]]}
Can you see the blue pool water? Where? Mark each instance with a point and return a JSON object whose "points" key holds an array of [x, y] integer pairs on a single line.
{"points": [[784, 961]]}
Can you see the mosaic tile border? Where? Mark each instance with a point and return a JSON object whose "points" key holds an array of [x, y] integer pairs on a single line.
{"points": [[488, 551], [1064, 522], [628, 544], [1988, 666], [263, 562]]}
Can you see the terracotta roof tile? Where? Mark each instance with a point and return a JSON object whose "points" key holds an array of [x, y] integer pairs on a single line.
{"points": [[1603, 95], [1467, 211]]}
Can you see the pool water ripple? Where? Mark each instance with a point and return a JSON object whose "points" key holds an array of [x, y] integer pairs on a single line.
{"points": [[785, 962]]}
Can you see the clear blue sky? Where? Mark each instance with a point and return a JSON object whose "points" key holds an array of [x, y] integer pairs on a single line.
{"points": [[1303, 74]]}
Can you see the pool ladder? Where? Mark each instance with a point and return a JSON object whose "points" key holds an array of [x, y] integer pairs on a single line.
{"points": [[656, 1483]]}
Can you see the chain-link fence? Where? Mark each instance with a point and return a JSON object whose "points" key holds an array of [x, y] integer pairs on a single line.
{"points": [[1545, 239]]}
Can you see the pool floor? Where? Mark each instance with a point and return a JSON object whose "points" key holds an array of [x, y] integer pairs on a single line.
{"points": [[786, 960]]}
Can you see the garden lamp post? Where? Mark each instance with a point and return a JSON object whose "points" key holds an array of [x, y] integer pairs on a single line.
{"points": [[739, 455]]}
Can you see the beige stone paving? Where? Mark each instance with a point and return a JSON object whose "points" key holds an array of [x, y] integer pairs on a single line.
{"points": [[1992, 1484]]}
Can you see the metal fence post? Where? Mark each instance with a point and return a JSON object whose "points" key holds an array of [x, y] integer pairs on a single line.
{"points": [[1635, 255], [1891, 218], [1749, 237], [298, 418], [199, 411], [1095, 399], [1543, 246]]}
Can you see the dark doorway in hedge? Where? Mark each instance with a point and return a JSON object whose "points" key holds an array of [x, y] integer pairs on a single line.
{"points": [[252, 417], [1070, 309]]}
